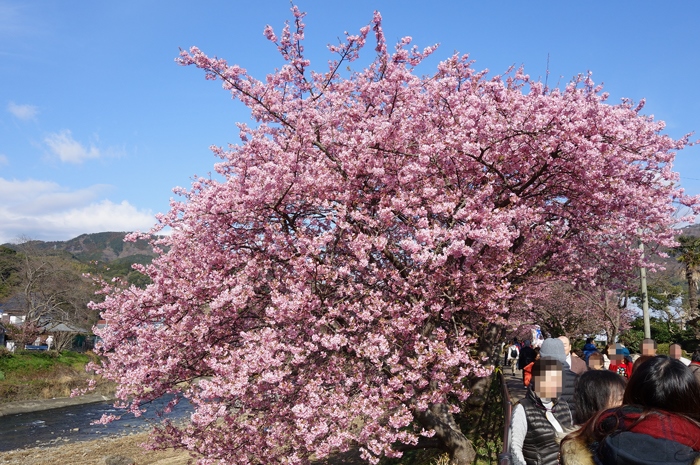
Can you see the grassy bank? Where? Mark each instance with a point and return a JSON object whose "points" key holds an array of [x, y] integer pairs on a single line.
{"points": [[44, 375]]}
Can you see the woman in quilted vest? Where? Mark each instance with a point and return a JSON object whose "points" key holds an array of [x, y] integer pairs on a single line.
{"points": [[540, 417]]}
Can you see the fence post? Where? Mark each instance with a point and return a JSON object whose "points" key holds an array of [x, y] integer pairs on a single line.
{"points": [[505, 457]]}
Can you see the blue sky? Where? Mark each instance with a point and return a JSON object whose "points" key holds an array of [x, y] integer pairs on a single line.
{"points": [[98, 124]]}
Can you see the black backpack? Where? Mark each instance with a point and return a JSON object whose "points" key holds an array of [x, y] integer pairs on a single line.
{"points": [[628, 448]]}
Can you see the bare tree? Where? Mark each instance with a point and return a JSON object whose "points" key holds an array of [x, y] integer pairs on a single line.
{"points": [[688, 253], [9, 271], [52, 288]]}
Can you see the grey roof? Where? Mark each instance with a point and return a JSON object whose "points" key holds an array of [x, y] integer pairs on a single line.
{"points": [[63, 328]]}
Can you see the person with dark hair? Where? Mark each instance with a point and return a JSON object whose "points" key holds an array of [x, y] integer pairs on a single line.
{"points": [[541, 417], [695, 363], [597, 390], [648, 351], [596, 361], [589, 348], [526, 357], [675, 351], [641, 359], [512, 355], [527, 370], [658, 423], [648, 347]]}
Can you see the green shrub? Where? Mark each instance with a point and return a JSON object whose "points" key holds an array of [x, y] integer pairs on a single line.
{"points": [[26, 362], [30, 375]]}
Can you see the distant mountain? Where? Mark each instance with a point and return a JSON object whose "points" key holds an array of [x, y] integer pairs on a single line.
{"points": [[102, 247], [674, 271], [109, 247], [692, 230]]}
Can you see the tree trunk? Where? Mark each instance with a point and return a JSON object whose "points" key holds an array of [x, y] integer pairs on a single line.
{"points": [[692, 294], [438, 418], [489, 343], [693, 319]]}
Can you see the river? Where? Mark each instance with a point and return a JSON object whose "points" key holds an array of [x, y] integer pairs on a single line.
{"points": [[67, 424]]}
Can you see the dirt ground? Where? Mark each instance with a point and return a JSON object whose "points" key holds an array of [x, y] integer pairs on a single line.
{"points": [[96, 453], [100, 451], [105, 451]]}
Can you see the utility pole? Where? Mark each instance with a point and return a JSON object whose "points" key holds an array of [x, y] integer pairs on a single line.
{"points": [[645, 296]]}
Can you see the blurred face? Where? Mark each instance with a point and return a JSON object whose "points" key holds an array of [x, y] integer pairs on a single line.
{"points": [[595, 362], [648, 348], [548, 384], [675, 351], [567, 345], [614, 354]]}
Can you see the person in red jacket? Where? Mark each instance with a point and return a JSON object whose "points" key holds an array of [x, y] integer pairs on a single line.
{"points": [[659, 421], [527, 369], [620, 360]]}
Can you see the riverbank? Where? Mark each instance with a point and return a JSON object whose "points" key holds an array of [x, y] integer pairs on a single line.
{"points": [[98, 452], [107, 451], [119, 449], [45, 376], [37, 405]]}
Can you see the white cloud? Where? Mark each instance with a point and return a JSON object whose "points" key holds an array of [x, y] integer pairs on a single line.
{"points": [[4, 160], [20, 19], [11, 18], [42, 197], [68, 149], [23, 112], [46, 211]]}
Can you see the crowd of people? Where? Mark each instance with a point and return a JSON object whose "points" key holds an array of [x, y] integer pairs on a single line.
{"points": [[606, 406]]}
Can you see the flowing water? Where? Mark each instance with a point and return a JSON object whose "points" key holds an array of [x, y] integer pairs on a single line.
{"points": [[67, 424]]}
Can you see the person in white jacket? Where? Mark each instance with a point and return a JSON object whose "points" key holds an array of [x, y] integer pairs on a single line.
{"points": [[512, 355]]}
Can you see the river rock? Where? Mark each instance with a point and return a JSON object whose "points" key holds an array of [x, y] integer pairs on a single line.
{"points": [[119, 460]]}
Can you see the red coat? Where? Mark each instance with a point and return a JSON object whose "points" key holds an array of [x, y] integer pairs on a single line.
{"points": [[527, 373], [656, 423], [659, 437], [624, 368]]}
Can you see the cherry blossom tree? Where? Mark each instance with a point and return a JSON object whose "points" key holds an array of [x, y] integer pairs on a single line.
{"points": [[332, 288], [688, 253], [561, 308], [559, 311]]}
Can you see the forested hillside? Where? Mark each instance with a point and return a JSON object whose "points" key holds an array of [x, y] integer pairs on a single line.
{"points": [[96, 250], [49, 283], [104, 246]]}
